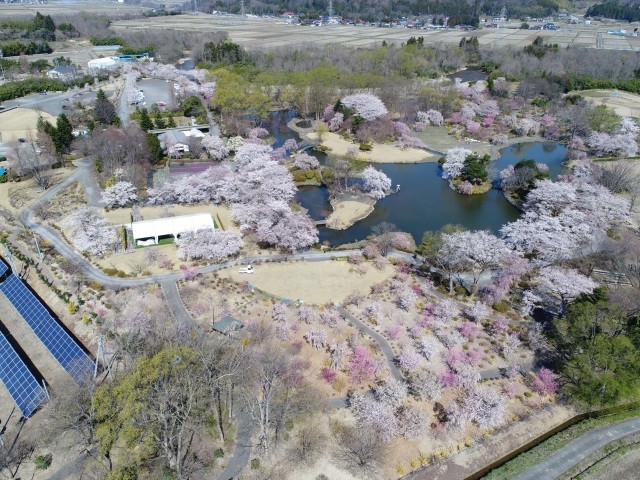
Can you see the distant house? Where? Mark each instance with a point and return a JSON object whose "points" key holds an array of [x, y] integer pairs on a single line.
{"points": [[174, 142], [227, 325], [62, 72]]}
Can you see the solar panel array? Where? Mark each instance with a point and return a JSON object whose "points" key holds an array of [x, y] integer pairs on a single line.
{"points": [[22, 385], [3, 268], [61, 345]]}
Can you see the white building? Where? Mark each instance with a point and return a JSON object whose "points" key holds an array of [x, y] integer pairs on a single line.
{"points": [[106, 63], [152, 230]]}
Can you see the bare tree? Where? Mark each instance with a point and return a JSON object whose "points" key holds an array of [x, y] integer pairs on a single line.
{"points": [[26, 159], [362, 448]]}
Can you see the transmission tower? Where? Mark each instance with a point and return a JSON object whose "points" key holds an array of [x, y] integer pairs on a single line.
{"points": [[330, 9], [242, 7]]}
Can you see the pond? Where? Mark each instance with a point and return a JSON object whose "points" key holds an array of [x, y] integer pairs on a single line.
{"points": [[469, 75], [185, 64], [425, 201]]}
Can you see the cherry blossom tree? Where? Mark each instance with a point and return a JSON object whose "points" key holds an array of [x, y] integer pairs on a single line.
{"points": [[317, 338], [408, 359], [430, 346], [375, 183], [413, 422], [258, 132], [545, 382], [476, 252], [431, 117], [391, 392], [426, 386], [212, 185], [485, 407], [556, 287], [215, 147], [454, 162], [366, 105], [208, 244], [335, 123], [362, 366], [120, 194], [339, 352], [306, 314], [304, 161], [478, 312], [466, 188], [376, 414], [89, 231]]}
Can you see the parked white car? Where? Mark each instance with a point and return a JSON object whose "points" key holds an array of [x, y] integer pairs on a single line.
{"points": [[247, 269]]}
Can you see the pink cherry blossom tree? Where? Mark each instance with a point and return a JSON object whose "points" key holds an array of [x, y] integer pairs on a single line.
{"points": [[545, 382], [362, 366], [431, 117]]}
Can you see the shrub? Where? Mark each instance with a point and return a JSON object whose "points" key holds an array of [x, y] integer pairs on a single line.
{"points": [[43, 462], [366, 147], [502, 306], [219, 453], [255, 463]]}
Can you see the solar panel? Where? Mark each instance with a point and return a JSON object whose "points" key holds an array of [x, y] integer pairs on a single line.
{"points": [[3, 268], [61, 345], [22, 385]]}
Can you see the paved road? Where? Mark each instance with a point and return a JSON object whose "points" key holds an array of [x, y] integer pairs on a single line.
{"points": [[576, 451], [380, 340], [174, 302], [88, 180], [243, 449]]}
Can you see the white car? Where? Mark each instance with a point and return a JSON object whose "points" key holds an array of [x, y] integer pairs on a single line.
{"points": [[247, 269]]}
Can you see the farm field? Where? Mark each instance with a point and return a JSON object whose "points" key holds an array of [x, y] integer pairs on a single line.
{"points": [[624, 103], [270, 33]]}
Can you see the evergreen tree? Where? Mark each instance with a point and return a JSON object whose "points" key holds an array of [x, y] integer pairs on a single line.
{"points": [[104, 111], [154, 148], [63, 134], [145, 121], [171, 123], [159, 121]]}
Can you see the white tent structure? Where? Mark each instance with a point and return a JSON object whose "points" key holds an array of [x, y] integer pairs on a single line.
{"points": [[153, 229], [106, 63]]}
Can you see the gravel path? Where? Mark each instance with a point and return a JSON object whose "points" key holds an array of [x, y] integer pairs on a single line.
{"points": [[579, 449]]}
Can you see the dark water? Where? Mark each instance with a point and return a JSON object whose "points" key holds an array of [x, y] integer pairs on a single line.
{"points": [[188, 64], [469, 75], [425, 201]]}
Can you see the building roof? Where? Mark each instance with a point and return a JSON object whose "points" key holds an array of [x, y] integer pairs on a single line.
{"points": [[227, 324], [173, 137], [172, 225], [105, 62]]}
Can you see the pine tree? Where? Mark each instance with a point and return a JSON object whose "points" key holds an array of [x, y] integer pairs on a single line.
{"points": [[159, 121], [63, 134], [171, 123], [145, 121]]}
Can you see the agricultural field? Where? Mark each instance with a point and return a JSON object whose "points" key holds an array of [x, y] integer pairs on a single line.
{"points": [[270, 33], [625, 104]]}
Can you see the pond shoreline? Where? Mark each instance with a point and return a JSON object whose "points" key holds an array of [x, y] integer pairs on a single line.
{"points": [[348, 210]]}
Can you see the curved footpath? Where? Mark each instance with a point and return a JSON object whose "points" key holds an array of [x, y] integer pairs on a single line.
{"points": [[575, 452]]}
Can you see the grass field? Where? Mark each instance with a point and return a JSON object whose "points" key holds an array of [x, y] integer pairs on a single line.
{"points": [[21, 123]]}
